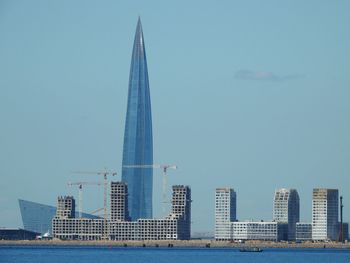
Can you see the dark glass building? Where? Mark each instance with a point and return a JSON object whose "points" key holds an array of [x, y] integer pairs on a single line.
{"points": [[17, 234], [138, 141]]}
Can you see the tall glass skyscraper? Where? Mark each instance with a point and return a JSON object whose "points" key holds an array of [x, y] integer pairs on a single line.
{"points": [[138, 142]]}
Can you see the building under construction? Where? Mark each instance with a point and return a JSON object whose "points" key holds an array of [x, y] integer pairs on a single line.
{"points": [[175, 226]]}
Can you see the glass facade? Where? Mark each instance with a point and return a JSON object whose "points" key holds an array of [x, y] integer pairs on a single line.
{"points": [[36, 217], [138, 142]]}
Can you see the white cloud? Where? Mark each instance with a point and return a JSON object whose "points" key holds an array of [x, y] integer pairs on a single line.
{"points": [[246, 74]]}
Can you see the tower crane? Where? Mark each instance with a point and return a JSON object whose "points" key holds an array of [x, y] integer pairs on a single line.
{"points": [[165, 168], [96, 211], [80, 187], [105, 183]]}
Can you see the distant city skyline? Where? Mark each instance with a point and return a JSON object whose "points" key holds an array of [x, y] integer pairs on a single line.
{"points": [[285, 225], [248, 94]]}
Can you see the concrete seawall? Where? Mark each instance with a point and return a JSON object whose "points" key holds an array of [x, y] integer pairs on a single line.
{"points": [[174, 243]]}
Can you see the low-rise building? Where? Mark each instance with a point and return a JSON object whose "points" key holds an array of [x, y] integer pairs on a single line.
{"points": [[267, 231], [345, 235], [303, 232], [77, 228], [17, 234]]}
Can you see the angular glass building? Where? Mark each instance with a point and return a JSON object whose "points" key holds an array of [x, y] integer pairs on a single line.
{"points": [[37, 217], [138, 142]]}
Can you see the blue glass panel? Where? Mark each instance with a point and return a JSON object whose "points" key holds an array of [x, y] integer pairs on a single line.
{"points": [[37, 217], [138, 142]]}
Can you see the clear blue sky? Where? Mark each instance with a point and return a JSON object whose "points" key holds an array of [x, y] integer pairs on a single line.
{"points": [[248, 94]]}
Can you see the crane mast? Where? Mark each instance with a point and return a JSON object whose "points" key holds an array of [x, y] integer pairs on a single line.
{"points": [[80, 193], [165, 168], [105, 183]]}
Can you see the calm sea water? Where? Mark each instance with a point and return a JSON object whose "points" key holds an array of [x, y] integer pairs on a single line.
{"points": [[170, 255]]}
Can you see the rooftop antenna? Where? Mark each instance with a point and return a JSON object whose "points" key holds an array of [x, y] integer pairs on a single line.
{"points": [[341, 239], [80, 193]]}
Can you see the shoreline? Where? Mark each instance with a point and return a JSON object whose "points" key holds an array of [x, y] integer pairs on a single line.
{"points": [[175, 244]]}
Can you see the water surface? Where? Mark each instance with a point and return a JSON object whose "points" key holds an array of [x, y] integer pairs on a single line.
{"points": [[60, 254]]}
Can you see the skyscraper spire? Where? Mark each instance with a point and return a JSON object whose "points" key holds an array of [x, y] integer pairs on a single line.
{"points": [[138, 141]]}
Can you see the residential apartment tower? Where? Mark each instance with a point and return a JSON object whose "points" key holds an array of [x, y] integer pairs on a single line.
{"points": [[225, 212], [286, 209], [325, 209]]}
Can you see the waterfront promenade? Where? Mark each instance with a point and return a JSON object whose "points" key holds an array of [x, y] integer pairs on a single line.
{"points": [[175, 243]]}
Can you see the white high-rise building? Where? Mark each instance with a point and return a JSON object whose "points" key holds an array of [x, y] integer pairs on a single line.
{"points": [[286, 209], [225, 212], [325, 209]]}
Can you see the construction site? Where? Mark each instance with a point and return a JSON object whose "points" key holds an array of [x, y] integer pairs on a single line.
{"points": [[116, 223]]}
